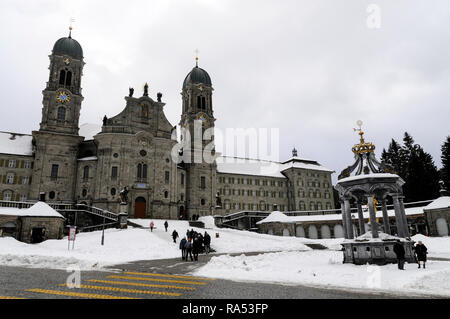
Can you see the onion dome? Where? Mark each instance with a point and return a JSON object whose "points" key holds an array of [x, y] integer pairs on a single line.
{"points": [[68, 46], [197, 76]]}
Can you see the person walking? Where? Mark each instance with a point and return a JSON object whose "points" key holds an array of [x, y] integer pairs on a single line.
{"points": [[174, 236], [183, 248], [196, 247], [207, 241], [166, 225], [399, 250], [189, 249], [421, 253], [152, 224]]}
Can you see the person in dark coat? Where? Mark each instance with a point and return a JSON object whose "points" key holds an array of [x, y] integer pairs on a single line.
{"points": [[166, 224], [174, 236], [183, 248], [196, 247], [399, 250], [207, 242], [189, 249], [421, 253]]}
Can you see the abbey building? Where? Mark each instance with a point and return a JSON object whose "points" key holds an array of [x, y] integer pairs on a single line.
{"points": [[67, 162]]}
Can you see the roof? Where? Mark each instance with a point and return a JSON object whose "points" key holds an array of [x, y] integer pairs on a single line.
{"points": [[441, 202], [362, 176], [279, 217], [197, 75], [16, 144], [39, 209], [246, 166], [68, 46]]}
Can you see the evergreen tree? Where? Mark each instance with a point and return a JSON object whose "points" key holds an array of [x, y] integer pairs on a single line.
{"points": [[445, 157], [415, 167]]}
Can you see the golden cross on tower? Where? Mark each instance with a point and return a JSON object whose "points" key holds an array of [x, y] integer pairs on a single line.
{"points": [[196, 57], [72, 20]]}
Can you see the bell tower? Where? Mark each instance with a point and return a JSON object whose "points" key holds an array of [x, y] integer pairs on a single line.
{"points": [[197, 128], [57, 141], [62, 95]]}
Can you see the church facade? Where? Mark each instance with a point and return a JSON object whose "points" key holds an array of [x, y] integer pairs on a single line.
{"points": [[64, 161]]}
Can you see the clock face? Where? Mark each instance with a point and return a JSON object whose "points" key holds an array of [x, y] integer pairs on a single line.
{"points": [[202, 119], [63, 97], [67, 61]]}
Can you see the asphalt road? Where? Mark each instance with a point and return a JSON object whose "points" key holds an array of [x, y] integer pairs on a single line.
{"points": [[160, 279]]}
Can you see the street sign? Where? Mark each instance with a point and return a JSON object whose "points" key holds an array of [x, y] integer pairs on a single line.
{"points": [[72, 236]]}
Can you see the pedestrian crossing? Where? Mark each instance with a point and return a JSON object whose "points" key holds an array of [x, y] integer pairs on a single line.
{"points": [[126, 285]]}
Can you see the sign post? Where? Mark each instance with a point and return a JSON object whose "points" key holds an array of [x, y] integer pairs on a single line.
{"points": [[72, 236]]}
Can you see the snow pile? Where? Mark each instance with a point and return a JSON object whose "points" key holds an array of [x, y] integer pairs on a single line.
{"points": [[208, 221], [39, 209], [381, 236], [441, 202], [121, 246], [275, 217], [325, 269]]}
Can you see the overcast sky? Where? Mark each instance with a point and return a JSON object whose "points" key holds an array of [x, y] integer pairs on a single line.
{"points": [[310, 68]]}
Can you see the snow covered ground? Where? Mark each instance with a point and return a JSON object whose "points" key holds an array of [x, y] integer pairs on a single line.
{"points": [[286, 260], [325, 269]]}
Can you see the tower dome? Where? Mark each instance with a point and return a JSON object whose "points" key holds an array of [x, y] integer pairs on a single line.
{"points": [[68, 46], [197, 76]]}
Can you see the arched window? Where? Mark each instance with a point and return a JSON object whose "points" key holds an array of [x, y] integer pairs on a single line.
{"points": [[312, 206], [68, 78], [319, 206], [203, 103], [139, 171], [61, 114], [144, 171], [62, 77], [86, 172], [199, 102]]}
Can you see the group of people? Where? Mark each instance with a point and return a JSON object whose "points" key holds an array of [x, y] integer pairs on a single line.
{"points": [[420, 251], [193, 244]]}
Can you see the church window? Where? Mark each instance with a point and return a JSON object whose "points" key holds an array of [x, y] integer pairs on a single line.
{"points": [[203, 103], [312, 206], [166, 194], [62, 77], [329, 205], [54, 171], [302, 206], [203, 182], [52, 195], [86, 173], [68, 78], [113, 191], [182, 179], [27, 164], [139, 171], [25, 180], [167, 177], [114, 171], [143, 153], [61, 114], [203, 202], [84, 192], [319, 206], [144, 171]]}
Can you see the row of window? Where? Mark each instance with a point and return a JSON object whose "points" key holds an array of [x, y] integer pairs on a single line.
{"points": [[16, 163], [10, 196], [315, 206], [254, 207], [249, 181], [13, 179]]}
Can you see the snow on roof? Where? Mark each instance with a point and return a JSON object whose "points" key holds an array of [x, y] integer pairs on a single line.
{"points": [[441, 202], [90, 158], [333, 217], [89, 130], [39, 209], [362, 176], [381, 236], [16, 144], [246, 166]]}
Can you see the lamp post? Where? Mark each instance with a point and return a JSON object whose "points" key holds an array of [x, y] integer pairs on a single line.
{"points": [[103, 231]]}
